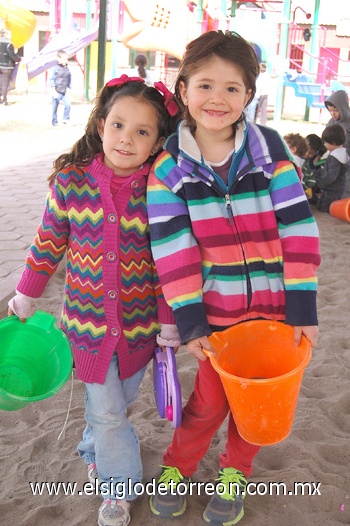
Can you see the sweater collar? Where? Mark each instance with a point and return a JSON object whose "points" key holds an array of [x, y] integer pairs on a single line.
{"points": [[255, 146], [188, 146], [98, 168]]}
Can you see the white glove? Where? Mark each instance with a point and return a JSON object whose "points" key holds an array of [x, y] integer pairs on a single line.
{"points": [[23, 306], [169, 336]]}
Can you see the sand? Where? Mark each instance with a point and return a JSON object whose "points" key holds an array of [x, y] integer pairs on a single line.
{"points": [[37, 446], [316, 452]]}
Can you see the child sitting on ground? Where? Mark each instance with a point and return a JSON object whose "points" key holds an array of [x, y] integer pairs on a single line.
{"points": [[316, 148], [331, 177], [297, 146]]}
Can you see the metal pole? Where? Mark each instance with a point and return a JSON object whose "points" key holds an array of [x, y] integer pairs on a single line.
{"points": [[315, 45], [101, 56], [87, 51], [115, 7], [200, 15], [233, 8], [283, 48]]}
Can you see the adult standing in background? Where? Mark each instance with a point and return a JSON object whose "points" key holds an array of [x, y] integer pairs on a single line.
{"points": [[141, 71], [258, 106], [8, 59], [262, 88]]}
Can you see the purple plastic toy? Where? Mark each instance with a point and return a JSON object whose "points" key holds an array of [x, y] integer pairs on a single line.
{"points": [[167, 388]]}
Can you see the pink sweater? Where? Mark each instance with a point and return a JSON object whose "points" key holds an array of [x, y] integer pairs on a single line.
{"points": [[112, 298]]}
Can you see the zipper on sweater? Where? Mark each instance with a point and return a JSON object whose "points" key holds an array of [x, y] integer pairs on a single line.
{"points": [[229, 208], [231, 219]]}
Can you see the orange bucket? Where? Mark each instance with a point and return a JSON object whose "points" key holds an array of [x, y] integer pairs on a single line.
{"points": [[341, 209], [261, 370]]}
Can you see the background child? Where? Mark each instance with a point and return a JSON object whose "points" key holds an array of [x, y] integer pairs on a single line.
{"points": [[338, 106], [141, 69], [60, 81], [298, 147], [315, 150], [96, 214], [331, 176], [235, 241]]}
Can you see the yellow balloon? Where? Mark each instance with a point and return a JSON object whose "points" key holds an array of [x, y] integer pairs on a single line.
{"points": [[21, 22]]}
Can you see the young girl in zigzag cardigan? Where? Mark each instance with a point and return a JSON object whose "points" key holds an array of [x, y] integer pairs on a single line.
{"points": [[96, 214]]}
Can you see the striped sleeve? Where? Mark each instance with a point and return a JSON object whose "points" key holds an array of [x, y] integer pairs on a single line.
{"points": [[299, 236], [174, 248]]}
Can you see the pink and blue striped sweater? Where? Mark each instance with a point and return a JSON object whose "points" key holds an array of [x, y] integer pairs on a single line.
{"points": [[225, 254], [112, 292]]}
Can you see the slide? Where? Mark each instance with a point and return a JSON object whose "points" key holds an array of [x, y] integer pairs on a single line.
{"points": [[69, 39], [21, 22], [154, 25]]}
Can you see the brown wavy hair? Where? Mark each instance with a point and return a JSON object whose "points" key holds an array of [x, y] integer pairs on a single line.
{"points": [[90, 144], [229, 46]]}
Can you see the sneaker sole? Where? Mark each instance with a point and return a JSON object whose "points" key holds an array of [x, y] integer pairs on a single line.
{"points": [[220, 523], [164, 514]]}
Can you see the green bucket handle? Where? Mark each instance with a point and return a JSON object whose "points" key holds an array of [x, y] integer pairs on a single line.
{"points": [[43, 320]]}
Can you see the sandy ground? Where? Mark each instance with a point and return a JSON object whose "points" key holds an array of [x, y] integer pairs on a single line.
{"points": [[316, 452]]}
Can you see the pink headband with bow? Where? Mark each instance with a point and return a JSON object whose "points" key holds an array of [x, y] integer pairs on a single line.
{"points": [[169, 102]]}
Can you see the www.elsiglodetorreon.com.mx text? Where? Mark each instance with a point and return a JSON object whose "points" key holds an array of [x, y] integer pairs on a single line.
{"points": [[121, 489]]}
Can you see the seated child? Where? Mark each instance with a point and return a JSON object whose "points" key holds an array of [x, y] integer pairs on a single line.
{"points": [[297, 146], [331, 177], [315, 149]]}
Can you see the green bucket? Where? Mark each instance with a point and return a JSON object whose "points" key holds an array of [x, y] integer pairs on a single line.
{"points": [[35, 360]]}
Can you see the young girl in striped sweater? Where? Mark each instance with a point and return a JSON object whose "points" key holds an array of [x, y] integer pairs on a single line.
{"points": [[96, 215], [233, 239]]}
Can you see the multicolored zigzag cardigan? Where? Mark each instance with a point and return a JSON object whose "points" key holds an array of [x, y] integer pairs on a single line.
{"points": [[111, 290]]}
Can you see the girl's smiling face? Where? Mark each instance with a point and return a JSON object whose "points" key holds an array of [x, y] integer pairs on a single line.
{"points": [[215, 95], [129, 135]]}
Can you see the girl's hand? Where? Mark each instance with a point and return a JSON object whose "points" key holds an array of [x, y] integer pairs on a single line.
{"points": [[21, 306], [310, 331], [11, 313], [195, 347], [169, 337]]}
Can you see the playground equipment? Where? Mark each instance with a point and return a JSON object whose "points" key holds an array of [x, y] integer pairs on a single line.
{"points": [[167, 26], [314, 93], [157, 26], [68, 39], [21, 22]]}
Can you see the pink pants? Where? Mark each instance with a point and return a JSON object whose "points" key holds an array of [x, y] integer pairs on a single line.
{"points": [[202, 416]]}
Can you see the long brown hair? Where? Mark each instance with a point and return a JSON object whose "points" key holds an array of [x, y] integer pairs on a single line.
{"points": [[228, 46], [90, 144]]}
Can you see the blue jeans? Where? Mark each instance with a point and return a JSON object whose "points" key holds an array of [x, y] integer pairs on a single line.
{"points": [[109, 439], [67, 104]]}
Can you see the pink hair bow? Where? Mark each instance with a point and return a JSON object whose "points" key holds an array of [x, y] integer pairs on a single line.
{"points": [[170, 104], [119, 81]]}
